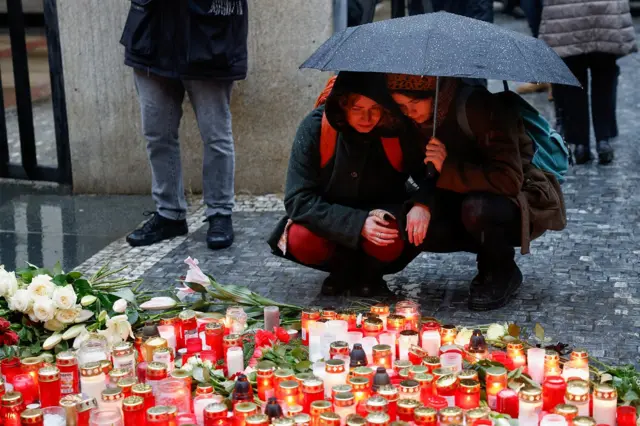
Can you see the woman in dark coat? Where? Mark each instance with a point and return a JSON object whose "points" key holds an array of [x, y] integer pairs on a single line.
{"points": [[346, 192]]}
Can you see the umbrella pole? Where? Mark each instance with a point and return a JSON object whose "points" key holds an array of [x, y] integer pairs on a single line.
{"points": [[505, 84], [431, 169]]}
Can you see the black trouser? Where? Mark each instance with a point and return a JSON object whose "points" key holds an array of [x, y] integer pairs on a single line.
{"points": [[482, 223], [416, 7], [573, 102]]}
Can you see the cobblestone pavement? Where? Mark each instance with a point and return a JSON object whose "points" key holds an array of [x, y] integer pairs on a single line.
{"points": [[581, 284]]}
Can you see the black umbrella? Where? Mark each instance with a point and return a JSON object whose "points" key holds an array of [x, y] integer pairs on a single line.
{"points": [[442, 45]]}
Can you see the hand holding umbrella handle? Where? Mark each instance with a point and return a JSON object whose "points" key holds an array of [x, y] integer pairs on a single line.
{"points": [[432, 172]]}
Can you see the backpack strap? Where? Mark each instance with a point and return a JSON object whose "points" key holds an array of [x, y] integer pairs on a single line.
{"points": [[461, 109], [328, 139], [393, 151]]}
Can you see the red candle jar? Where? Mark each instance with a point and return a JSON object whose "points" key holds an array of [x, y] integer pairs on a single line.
{"points": [[281, 375], [264, 379], [451, 416], [67, 363], [49, 386], [338, 348], [406, 407], [177, 329], [214, 336], [216, 414], [312, 391], [431, 362], [553, 390], [508, 403], [243, 410], [157, 416], [626, 416], [350, 317], [396, 323], [145, 392], [27, 387], [329, 314], [84, 409], [414, 370], [12, 406], [258, 420], [382, 356], [425, 416], [34, 417], [231, 341], [378, 419], [515, 352], [188, 325], [367, 372], [436, 402], [141, 372], [570, 412], [416, 355], [496, 380], [289, 392], [329, 419], [502, 358], [373, 327], [156, 372], [317, 409], [448, 334], [447, 386], [308, 316], [10, 368], [392, 395], [360, 388], [133, 411], [31, 366], [426, 385], [467, 374], [468, 394], [401, 364], [336, 389], [377, 404], [194, 345], [106, 366], [381, 310], [126, 384], [204, 389]]}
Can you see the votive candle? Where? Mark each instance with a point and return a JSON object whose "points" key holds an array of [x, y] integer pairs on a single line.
{"points": [[626, 415], [431, 362], [92, 380], [568, 411], [446, 387], [535, 358], [378, 419], [390, 340], [406, 408], [553, 420], [242, 411], [552, 363], [335, 374], [382, 311], [360, 388], [405, 340], [49, 385], [425, 416], [318, 408], [554, 389], [235, 361], [508, 403], [451, 361], [574, 370], [530, 406], [67, 363], [515, 352], [309, 316], [605, 402], [392, 395], [382, 356], [468, 394], [12, 406], [448, 334], [580, 358], [496, 381], [271, 317], [451, 416], [264, 379], [578, 394], [338, 348], [344, 405], [289, 392], [312, 390]]}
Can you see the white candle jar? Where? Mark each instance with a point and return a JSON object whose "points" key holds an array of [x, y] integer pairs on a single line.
{"points": [[535, 359], [605, 402], [124, 356], [578, 394], [235, 361], [405, 340], [530, 406], [174, 392], [344, 406], [111, 400], [431, 342], [92, 380], [335, 374], [94, 349]]}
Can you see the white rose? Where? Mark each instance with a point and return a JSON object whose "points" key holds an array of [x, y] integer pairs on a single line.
{"points": [[64, 297], [41, 285], [43, 308], [8, 283], [54, 325], [20, 301], [120, 306], [67, 316], [496, 332], [463, 337]]}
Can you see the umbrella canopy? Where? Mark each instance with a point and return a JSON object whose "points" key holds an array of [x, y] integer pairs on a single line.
{"points": [[442, 44]]}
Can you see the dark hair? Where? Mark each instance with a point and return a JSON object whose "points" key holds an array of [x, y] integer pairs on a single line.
{"points": [[416, 94]]}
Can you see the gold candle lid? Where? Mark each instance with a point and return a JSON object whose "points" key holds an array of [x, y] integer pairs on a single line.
{"points": [[141, 389], [112, 394], [329, 418], [127, 382], [363, 371], [91, 369], [247, 407], [381, 348], [389, 392], [418, 369], [156, 367], [341, 389], [65, 359], [530, 394], [132, 403], [373, 324], [469, 386], [409, 403], [451, 412], [289, 385], [468, 374], [378, 418], [398, 423], [577, 391], [441, 372], [302, 419], [477, 414], [377, 401], [356, 420], [32, 416], [294, 409], [431, 361], [48, 374], [265, 367], [515, 346], [496, 371], [187, 315], [123, 349], [358, 383], [425, 414], [450, 381], [31, 361], [11, 399], [566, 410], [423, 379], [106, 365], [215, 408], [605, 391], [257, 419], [70, 400], [118, 373], [396, 320], [339, 344], [86, 405], [180, 374], [334, 366], [380, 309], [204, 389], [344, 399], [584, 421], [282, 373], [321, 405], [157, 413], [409, 386], [400, 364]]}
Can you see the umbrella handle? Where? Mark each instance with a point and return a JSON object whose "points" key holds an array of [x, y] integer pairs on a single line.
{"points": [[431, 168]]}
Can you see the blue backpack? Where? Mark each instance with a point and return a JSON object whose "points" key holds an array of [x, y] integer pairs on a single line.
{"points": [[551, 153]]}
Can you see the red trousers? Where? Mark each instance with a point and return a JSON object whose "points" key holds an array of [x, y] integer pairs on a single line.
{"points": [[311, 249]]}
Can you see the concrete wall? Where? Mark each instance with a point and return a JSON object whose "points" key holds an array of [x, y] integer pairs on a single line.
{"points": [[107, 149]]}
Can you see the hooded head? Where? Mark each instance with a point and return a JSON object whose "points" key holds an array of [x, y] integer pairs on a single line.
{"points": [[358, 103]]}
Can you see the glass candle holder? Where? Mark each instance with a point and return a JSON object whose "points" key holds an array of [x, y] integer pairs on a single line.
{"points": [[126, 384], [25, 384], [335, 374], [10, 368], [508, 403], [264, 379], [496, 381], [382, 356], [472, 416], [572, 370], [338, 348], [552, 363], [373, 327], [92, 380], [346, 388], [451, 416], [169, 328], [33, 417], [329, 419], [378, 419], [580, 358], [426, 385], [411, 311], [235, 360], [626, 415], [165, 356], [554, 389], [12, 406], [446, 387], [133, 411], [111, 399], [468, 394], [605, 402], [406, 407], [392, 395], [530, 406], [144, 391], [289, 392], [359, 387], [553, 420], [188, 325], [123, 355], [157, 416], [366, 372], [174, 392], [405, 340], [425, 416], [312, 390], [316, 409], [578, 394], [281, 375], [376, 404], [308, 316], [431, 362], [568, 411], [30, 366], [106, 418], [344, 405], [410, 389], [216, 415], [49, 386], [515, 352], [67, 363], [451, 361], [395, 323], [214, 333], [94, 349], [156, 372], [448, 334], [242, 411], [200, 402]]}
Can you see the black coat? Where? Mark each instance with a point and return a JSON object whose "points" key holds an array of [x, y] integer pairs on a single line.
{"points": [[187, 39]]}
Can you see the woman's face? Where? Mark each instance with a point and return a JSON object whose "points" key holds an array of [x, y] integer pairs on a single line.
{"points": [[363, 114], [419, 110]]}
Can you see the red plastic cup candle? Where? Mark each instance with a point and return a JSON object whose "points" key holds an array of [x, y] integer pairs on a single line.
{"points": [[188, 325], [312, 391], [382, 356], [264, 378], [515, 352], [377, 404], [338, 348], [243, 410], [84, 409], [431, 362], [447, 387], [12, 406], [378, 419], [126, 384], [231, 341], [382, 311], [468, 394], [502, 358], [391, 394], [33, 417], [216, 415], [425, 416], [373, 327], [552, 364], [396, 323], [49, 386], [309, 316], [317, 409], [133, 411], [258, 420], [213, 337], [366, 372], [288, 391], [281, 375], [410, 310], [626, 416], [26, 386], [144, 391], [426, 385], [570, 412], [194, 345], [448, 334], [496, 380], [451, 416], [554, 389], [416, 355], [67, 363], [359, 387], [31, 366], [336, 389], [508, 403], [10, 368]]}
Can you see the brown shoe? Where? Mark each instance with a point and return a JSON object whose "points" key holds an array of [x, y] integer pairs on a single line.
{"points": [[528, 88]]}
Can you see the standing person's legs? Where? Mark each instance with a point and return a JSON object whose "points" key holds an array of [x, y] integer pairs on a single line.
{"points": [[416, 7], [574, 105], [603, 81], [211, 100], [397, 8], [533, 12], [161, 110]]}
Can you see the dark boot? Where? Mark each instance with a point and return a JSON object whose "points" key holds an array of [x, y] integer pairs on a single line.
{"points": [[334, 285], [500, 285], [370, 282], [478, 280], [342, 272], [605, 152], [220, 233], [582, 154], [157, 229]]}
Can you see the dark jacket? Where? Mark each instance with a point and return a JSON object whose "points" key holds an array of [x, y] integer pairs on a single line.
{"points": [[477, 9], [334, 201], [189, 39]]}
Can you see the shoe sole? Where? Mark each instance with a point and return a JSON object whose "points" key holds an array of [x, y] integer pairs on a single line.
{"points": [[134, 243], [219, 246], [606, 158], [498, 303]]}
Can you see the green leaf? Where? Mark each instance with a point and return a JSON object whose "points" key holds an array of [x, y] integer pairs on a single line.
{"points": [[82, 287], [57, 269], [198, 288], [539, 331], [298, 353], [72, 276], [35, 348], [630, 396], [303, 366], [198, 305], [60, 280], [132, 316], [126, 294], [514, 330]]}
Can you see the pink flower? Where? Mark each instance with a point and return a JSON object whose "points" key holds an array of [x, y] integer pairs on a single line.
{"points": [[194, 275]]}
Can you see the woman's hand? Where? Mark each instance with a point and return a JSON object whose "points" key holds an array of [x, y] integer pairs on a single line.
{"points": [[375, 230], [436, 153], [418, 224]]}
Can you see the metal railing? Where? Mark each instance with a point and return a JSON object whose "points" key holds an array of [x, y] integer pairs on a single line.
{"points": [[29, 168]]}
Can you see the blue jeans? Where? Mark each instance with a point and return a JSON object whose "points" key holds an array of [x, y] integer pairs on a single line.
{"points": [[161, 110]]}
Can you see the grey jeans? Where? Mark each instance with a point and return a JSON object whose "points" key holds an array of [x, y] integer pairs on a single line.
{"points": [[161, 109]]}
